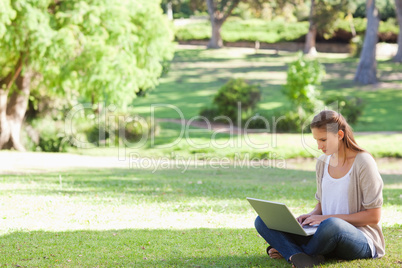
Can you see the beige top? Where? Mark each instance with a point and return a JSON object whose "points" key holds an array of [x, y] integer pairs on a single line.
{"points": [[365, 192]]}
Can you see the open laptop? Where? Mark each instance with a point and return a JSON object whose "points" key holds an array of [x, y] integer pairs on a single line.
{"points": [[277, 216]]}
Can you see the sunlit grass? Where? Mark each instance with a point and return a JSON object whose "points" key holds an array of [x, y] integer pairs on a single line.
{"points": [[135, 217], [201, 196]]}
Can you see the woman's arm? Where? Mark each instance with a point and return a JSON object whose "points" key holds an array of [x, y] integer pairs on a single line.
{"points": [[362, 218]]}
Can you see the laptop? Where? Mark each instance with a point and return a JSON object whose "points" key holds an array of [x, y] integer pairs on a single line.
{"points": [[277, 216]]}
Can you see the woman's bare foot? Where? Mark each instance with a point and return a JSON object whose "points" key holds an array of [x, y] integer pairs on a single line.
{"points": [[274, 254]]}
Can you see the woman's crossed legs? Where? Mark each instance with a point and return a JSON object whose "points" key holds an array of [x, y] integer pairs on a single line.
{"points": [[334, 236]]}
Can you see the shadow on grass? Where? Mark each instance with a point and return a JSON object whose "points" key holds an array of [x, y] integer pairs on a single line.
{"points": [[158, 248], [170, 184], [173, 184]]}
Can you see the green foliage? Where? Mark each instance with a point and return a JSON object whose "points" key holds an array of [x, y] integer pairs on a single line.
{"points": [[112, 129], [48, 142], [386, 9], [356, 46], [358, 23], [101, 50], [209, 112], [235, 29], [51, 135], [327, 13], [389, 26], [303, 77], [7, 14], [234, 93], [185, 8], [245, 30], [277, 122], [388, 30], [263, 31], [193, 31], [350, 107]]}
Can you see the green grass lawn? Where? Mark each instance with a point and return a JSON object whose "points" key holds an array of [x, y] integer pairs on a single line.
{"points": [[196, 75], [136, 218]]}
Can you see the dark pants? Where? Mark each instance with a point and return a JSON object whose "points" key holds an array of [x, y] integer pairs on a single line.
{"points": [[333, 236]]}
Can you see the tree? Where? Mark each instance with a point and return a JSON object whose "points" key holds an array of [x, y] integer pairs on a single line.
{"points": [[97, 49], [309, 46], [322, 18], [366, 72], [219, 11], [398, 5]]}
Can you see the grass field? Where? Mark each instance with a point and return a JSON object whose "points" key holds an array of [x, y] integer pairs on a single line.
{"points": [[196, 74], [136, 218]]}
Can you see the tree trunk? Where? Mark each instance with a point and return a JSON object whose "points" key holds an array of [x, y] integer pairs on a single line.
{"points": [[4, 126], [217, 18], [5, 85], [216, 38], [366, 72], [16, 109], [309, 46], [169, 10], [398, 5]]}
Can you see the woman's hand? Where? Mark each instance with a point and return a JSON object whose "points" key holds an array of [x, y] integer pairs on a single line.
{"points": [[314, 219], [301, 218]]}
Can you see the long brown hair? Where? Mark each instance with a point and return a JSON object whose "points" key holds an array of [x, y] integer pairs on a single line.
{"points": [[332, 121]]}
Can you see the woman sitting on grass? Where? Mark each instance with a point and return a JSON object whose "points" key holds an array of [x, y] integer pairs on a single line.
{"points": [[349, 194]]}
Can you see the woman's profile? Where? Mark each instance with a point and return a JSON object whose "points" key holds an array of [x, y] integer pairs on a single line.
{"points": [[349, 201]]}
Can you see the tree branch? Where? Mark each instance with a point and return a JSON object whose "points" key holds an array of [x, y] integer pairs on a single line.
{"points": [[230, 9], [222, 13], [10, 78]]}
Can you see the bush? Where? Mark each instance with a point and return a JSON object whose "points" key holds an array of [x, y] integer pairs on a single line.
{"points": [[251, 30], [119, 129], [235, 29], [285, 121], [194, 31], [356, 46], [303, 77], [49, 142], [233, 93], [209, 112], [350, 107], [52, 137], [263, 31], [137, 127], [386, 9]]}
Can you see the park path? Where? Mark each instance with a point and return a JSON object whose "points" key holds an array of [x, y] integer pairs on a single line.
{"points": [[12, 162], [23, 163]]}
